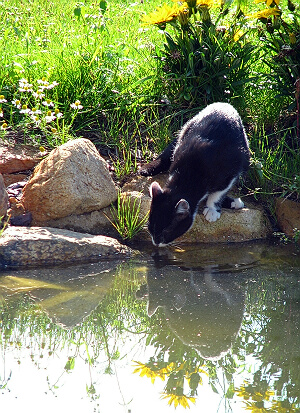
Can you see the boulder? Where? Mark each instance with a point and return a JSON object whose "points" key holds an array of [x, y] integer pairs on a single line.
{"points": [[73, 179], [288, 215], [22, 247], [3, 198], [95, 222], [18, 158], [10, 179], [246, 224]]}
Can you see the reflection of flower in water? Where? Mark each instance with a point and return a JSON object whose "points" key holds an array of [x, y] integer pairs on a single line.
{"points": [[254, 400], [286, 407], [257, 407], [177, 400], [151, 372], [175, 374]]}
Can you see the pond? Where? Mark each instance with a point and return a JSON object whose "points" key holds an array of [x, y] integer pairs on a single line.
{"points": [[212, 328]]}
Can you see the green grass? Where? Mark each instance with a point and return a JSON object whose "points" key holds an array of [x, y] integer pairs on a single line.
{"points": [[101, 55], [126, 217]]}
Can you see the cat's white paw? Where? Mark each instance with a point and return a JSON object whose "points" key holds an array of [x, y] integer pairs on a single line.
{"points": [[211, 214], [237, 203]]}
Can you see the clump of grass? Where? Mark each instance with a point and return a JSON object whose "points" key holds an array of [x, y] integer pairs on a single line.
{"points": [[275, 166], [126, 217]]}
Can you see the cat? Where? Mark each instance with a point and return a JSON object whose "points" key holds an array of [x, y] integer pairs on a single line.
{"points": [[206, 158]]}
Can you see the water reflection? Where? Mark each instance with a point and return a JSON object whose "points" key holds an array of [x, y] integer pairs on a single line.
{"points": [[204, 310], [213, 328]]}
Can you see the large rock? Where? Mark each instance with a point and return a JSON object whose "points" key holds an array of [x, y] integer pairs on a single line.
{"points": [[95, 222], [17, 158], [250, 223], [288, 215], [73, 179], [247, 224], [3, 198], [22, 247]]}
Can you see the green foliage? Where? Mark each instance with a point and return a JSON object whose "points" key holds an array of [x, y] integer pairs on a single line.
{"points": [[98, 54], [3, 224], [126, 216], [207, 57], [280, 39], [275, 166]]}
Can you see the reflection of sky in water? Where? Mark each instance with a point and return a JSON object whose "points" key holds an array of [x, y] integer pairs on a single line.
{"points": [[120, 392], [257, 286]]}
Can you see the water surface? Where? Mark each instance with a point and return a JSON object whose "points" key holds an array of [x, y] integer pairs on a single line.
{"points": [[212, 328]]}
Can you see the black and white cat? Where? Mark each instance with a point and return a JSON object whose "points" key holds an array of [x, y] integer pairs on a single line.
{"points": [[204, 161]]}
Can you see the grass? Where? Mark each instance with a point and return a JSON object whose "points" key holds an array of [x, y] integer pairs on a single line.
{"points": [[126, 217], [100, 55]]}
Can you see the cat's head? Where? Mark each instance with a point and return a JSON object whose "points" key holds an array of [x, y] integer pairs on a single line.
{"points": [[169, 218]]}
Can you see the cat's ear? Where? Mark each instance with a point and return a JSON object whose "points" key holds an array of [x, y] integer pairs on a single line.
{"points": [[182, 208], [155, 189]]}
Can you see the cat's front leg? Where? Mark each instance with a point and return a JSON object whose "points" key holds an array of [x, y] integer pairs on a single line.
{"points": [[212, 211], [211, 214]]}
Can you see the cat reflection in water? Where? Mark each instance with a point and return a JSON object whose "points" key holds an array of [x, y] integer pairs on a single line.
{"points": [[204, 310], [204, 161]]}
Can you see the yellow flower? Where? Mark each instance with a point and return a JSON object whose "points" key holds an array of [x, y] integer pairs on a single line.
{"points": [[144, 370], [4, 126], [264, 14], [255, 408], [238, 35], [179, 400], [162, 15], [268, 2], [208, 3], [278, 408]]}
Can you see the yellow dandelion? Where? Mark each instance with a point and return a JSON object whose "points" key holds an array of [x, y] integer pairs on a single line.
{"points": [[268, 2], [162, 15], [238, 35], [207, 3], [264, 14], [177, 400], [145, 370]]}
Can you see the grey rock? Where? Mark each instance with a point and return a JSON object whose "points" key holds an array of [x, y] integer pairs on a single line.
{"points": [[22, 247]]}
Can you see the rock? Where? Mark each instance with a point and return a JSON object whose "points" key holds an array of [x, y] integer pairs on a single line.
{"points": [[95, 222], [3, 198], [247, 224], [142, 183], [288, 215], [10, 179], [22, 247], [73, 179], [17, 158]]}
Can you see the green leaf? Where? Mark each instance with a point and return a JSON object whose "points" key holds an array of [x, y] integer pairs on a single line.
{"points": [[103, 6], [230, 391], [77, 12], [70, 363]]}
